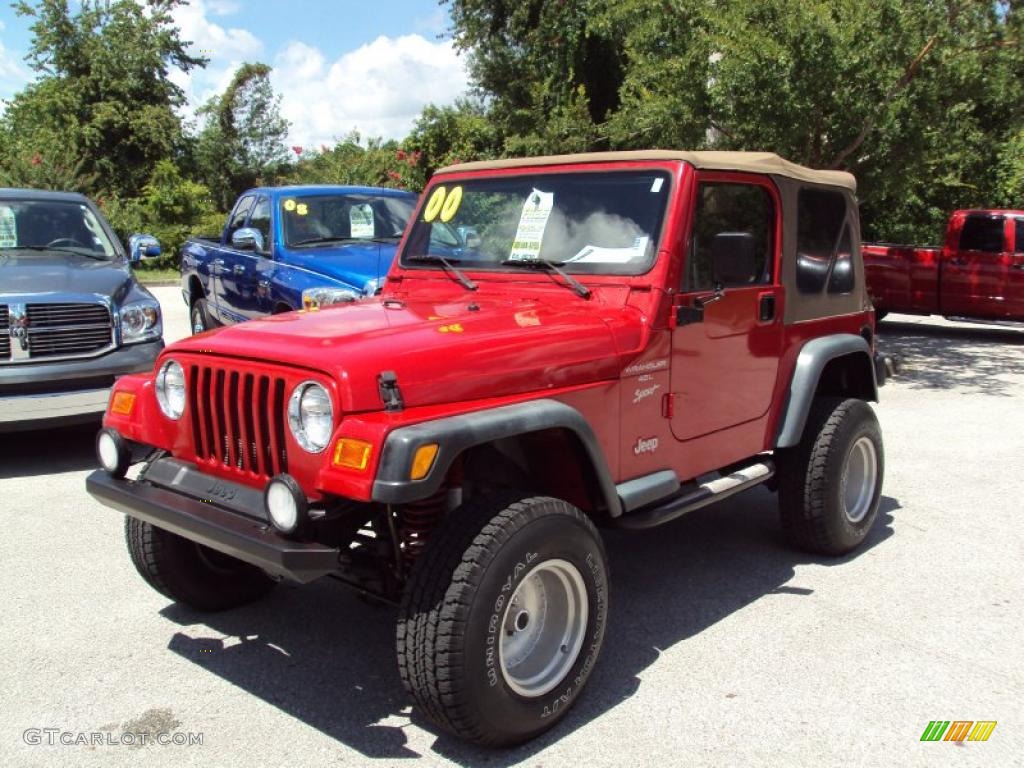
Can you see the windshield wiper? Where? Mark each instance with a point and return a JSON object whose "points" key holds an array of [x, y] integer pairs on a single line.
{"points": [[312, 240], [464, 281], [62, 249], [554, 266]]}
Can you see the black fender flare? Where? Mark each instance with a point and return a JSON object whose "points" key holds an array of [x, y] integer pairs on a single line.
{"points": [[455, 434], [813, 357]]}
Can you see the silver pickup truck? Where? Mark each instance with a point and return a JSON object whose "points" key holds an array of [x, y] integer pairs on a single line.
{"points": [[72, 316]]}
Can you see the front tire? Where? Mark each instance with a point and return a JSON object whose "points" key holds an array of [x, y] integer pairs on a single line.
{"points": [[503, 617], [199, 317], [190, 573], [831, 483]]}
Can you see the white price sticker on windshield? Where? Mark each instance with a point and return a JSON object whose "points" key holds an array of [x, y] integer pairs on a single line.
{"points": [[360, 219], [8, 228], [532, 223]]}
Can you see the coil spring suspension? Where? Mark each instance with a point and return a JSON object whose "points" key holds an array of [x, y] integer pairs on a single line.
{"points": [[416, 521]]}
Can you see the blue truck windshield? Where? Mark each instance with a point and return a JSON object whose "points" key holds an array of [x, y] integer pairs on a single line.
{"points": [[313, 220], [589, 223]]}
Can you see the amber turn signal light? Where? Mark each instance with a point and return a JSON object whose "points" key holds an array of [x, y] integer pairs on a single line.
{"points": [[122, 403], [352, 454], [422, 461]]}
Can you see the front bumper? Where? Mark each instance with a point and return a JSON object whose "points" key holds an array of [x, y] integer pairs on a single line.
{"points": [[204, 522], [49, 394]]}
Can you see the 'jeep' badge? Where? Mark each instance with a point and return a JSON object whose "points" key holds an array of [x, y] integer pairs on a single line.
{"points": [[645, 445]]}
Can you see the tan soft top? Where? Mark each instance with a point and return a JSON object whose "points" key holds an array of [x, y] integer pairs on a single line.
{"points": [[751, 162]]}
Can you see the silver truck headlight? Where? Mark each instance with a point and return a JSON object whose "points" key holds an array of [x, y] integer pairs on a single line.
{"points": [[140, 322], [170, 389], [311, 416], [315, 298]]}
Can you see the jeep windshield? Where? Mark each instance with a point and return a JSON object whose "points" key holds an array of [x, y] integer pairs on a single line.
{"points": [[48, 225], [587, 223], [324, 220]]}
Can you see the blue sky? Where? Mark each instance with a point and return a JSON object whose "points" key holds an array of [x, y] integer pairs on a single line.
{"points": [[339, 66]]}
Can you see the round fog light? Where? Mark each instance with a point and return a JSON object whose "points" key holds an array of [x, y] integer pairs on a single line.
{"points": [[286, 504], [113, 452]]}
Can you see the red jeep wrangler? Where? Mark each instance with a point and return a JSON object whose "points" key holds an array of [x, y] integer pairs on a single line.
{"points": [[563, 343]]}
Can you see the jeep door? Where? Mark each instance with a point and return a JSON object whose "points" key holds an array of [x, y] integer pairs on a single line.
{"points": [[728, 335]]}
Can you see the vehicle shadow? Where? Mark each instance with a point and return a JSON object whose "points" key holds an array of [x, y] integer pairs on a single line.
{"points": [[46, 451], [323, 656], [948, 357]]}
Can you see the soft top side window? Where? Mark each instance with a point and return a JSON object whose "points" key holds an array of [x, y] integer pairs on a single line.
{"points": [[1019, 235], [730, 209], [823, 243]]}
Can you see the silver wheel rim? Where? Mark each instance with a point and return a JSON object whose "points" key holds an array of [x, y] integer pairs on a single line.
{"points": [[543, 628], [859, 478]]}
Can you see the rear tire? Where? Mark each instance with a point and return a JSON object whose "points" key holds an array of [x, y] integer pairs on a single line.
{"points": [[503, 617], [831, 484], [190, 573]]}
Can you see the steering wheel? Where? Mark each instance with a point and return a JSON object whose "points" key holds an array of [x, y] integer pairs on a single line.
{"points": [[63, 241]]}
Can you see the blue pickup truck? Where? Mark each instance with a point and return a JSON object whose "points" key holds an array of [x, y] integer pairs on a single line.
{"points": [[286, 248]]}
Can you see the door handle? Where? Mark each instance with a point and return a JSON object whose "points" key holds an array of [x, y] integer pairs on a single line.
{"points": [[1017, 267], [239, 269], [766, 308], [958, 262]]}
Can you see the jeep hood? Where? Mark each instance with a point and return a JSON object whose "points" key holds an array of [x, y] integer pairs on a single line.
{"points": [[441, 351]]}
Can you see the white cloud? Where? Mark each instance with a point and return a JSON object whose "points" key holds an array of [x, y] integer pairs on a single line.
{"points": [[378, 89], [226, 48], [14, 75]]}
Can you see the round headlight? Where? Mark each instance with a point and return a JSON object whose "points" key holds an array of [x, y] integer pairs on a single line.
{"points": [[311, 416], [170, 389]]}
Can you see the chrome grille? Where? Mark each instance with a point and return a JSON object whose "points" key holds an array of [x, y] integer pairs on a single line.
{"points": [[68, 330], [238, 419], [5, 335]]}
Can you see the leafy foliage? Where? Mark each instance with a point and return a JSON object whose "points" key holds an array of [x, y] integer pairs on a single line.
{"points": [[242, 142], [102, 113]]}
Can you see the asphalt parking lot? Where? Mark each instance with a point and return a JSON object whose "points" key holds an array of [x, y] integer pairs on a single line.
{"points": [[724, 647]]}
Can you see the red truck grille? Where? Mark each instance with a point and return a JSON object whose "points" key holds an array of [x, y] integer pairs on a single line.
{"points": [[238, 419]]}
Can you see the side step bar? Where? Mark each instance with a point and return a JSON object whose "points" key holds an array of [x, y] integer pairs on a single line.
{"points": [[696, 496]]}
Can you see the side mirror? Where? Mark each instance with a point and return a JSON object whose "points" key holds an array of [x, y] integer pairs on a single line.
{"points": [[248, 239], [733, 260], [142, 247]]}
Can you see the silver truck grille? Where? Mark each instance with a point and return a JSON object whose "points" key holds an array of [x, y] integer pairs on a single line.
{"points": [[5, 334], [60, 330]]}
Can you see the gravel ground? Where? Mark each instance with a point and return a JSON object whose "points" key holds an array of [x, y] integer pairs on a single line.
{"points": [[724, 646]]}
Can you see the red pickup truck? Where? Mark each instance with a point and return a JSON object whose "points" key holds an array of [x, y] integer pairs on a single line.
{"points": [[977, 274]]}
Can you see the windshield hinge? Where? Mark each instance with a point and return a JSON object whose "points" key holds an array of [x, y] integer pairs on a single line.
{"points": [[390, 394]]}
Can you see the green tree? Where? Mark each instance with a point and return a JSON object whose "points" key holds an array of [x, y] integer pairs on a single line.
{"points": [[242, 141], [917, 98], [377, 163], [102, 112]]}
